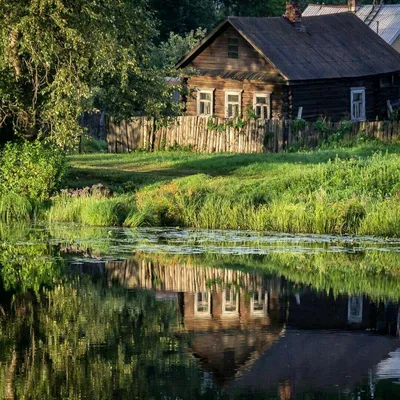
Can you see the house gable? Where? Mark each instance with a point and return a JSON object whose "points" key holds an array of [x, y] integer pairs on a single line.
{"points": [[215, 55]]}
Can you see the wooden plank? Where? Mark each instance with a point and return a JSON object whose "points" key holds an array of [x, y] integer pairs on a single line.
{"points": [[280, 136]]}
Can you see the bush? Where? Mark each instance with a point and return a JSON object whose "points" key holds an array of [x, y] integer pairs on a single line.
{"points": [[32, 170], [91, 145]]}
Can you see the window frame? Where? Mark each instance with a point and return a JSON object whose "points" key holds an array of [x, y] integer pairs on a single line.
{"points": [[267, 95], [353, 91], [234, 313], [236, 92], [233, 54], [199, 100]]}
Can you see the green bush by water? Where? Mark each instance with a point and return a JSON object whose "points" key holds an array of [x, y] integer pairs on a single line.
{"points": [[33, 170], [29, 174]]}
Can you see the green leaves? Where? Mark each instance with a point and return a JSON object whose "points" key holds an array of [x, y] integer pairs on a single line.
{"points": [[56, 52], [32, 170]]}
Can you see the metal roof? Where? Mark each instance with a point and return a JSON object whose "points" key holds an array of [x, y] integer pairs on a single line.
{"points": [[386, 22]]}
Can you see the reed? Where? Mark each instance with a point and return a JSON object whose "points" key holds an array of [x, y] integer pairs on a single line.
{"points": [[14, 207]]}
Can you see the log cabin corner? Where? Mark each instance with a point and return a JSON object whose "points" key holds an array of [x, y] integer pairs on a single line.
{"points": [[329, 66]]}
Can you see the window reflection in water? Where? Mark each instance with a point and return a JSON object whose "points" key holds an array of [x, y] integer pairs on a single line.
{"points": [[259, 303], [230, 302], [355, 306], [202, 303]]}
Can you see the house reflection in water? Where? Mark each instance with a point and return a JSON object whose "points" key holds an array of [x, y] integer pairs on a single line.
{"points": [[263, 332], [232, 316]]}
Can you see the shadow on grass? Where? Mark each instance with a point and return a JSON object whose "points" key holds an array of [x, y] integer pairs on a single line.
{"points": [[129, 172]]}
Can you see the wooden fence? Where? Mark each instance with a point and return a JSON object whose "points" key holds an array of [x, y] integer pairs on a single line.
{"points": [[235, 136]]}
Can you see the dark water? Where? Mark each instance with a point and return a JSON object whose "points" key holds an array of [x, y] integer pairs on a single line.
{"points": [[172, 314]]}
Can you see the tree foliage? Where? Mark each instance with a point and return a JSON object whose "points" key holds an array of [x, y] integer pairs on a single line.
{"points": [[31, 170], [59, 58], [183, 16], [168, 53]]}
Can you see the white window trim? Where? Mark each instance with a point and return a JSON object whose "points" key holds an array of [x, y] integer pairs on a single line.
{"points": [[353, 91], [259, 313], [209, 91], [230, 313], [204, 314], [234, 92], [263, 94]]}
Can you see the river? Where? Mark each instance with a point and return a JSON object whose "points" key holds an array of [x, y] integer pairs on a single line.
{"points": [[154, 313]]}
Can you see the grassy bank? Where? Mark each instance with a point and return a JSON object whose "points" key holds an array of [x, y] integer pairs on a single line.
{"points": [[342, 191]]}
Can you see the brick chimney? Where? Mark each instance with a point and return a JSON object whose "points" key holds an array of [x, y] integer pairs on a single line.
{"points": [[354, 5], [293, 14]]}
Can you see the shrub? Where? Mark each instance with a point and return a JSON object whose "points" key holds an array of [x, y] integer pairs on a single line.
{"points": [[33, 170], [91, 145]]}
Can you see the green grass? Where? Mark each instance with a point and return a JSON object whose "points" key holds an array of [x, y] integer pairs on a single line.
{"points": [[88, 210], [14, 207], [341, 191], [130, 171]]}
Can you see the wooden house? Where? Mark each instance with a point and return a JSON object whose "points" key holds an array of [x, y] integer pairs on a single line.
{"points": [[331, 66]]}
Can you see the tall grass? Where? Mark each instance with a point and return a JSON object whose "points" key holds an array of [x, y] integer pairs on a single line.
{"points": [[14, 207], [353, 196], [89, 209], [303, 193]]}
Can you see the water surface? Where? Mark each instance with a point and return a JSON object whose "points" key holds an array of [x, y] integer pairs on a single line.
{"points": [[90, 313]]}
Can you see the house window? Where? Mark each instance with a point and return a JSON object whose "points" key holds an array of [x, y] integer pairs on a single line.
{"points": [[202, 304], [262, 105], [205, 102], [230, 302], [233, 48], [233, 104], [358, 104], [258, 303]]}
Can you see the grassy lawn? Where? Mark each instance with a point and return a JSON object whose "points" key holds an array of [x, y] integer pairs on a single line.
{"points": [[342, 191], [130, 171]]}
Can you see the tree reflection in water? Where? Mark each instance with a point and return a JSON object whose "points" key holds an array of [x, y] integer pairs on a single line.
{"points": [[160, 327]]}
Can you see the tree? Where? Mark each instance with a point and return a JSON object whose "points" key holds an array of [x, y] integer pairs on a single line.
{"points": [[183, 16], [168, 53], [59, 58], [252, 8]]}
